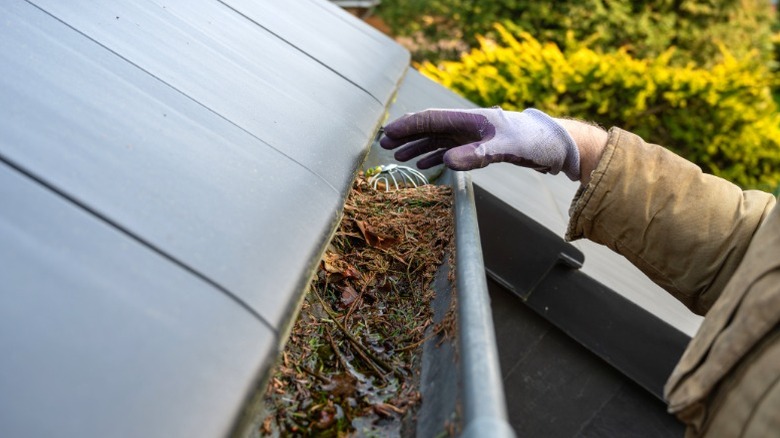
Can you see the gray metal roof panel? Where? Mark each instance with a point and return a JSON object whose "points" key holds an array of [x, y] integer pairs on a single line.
{"points": [[418, 93], [102, 336], [348, 46], [615, 272], [185, 166], [349, 20], [529, 192], [227, 63], [172, 172]]}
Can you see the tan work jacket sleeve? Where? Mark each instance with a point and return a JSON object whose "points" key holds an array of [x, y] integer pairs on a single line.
{"points": [[686, 230]]}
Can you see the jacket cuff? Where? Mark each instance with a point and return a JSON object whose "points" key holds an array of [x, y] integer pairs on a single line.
{"points": [[587, 197]]}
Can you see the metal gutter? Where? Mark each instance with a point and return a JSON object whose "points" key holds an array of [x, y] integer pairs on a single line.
{"points": [[356, 3], [483, 392]]}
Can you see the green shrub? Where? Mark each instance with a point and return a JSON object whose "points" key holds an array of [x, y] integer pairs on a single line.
{"points": [[723, 118], [645, 28]]}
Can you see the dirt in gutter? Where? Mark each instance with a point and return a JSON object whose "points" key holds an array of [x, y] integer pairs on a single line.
{"points": [[351, 364]]}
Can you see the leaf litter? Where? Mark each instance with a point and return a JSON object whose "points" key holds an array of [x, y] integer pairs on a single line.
{"points": [[351, 364]]}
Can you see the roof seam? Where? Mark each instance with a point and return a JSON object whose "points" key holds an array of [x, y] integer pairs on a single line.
{"points": [[339, 74], [186, 95], [324, 5], [531, 349], [98, 215], [595, 414]]}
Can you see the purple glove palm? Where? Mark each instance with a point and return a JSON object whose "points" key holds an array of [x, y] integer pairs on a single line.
{"points": [[470, 139]]}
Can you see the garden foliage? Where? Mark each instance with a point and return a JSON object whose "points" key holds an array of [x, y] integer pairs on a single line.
{"points": [[721, 117], [643, 28]]}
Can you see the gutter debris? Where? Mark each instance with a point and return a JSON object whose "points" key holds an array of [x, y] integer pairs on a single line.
{"points": [[351, 365]]}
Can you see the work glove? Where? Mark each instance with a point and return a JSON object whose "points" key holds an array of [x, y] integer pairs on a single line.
{"points": [[470, 139]]}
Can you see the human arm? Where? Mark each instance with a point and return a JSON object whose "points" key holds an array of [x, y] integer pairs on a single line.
{"points": [[591, 141], [686, 230]]}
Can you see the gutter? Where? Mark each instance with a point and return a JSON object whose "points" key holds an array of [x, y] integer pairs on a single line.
{"points": [[483, 392]]}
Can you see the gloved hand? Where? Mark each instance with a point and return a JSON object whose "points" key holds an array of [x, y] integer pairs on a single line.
{"points": [[470, 139]]}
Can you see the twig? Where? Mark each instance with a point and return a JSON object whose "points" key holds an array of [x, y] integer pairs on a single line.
{"points": [[336, 350], [344, 361], [370, 363], [437, 331], [358, 346], [358, 299], [317, 376]]}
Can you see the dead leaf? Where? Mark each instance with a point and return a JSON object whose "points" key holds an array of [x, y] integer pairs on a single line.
{"points": [[341, 385], [335, 278], [373, 238], [328, 262], [348, 295], [350, 272], [266, 430], [326, 417]]}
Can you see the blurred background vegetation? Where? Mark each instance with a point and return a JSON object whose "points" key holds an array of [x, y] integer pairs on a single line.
{"points": [[699, 77]]}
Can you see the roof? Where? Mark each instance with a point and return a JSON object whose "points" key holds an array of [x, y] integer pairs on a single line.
{"points": [[171, 173]]}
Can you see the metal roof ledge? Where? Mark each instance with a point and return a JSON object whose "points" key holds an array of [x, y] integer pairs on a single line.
{"points": [[536, 265]]}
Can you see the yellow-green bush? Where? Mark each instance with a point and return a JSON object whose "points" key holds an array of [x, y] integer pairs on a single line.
{"points": [[723, 118]]}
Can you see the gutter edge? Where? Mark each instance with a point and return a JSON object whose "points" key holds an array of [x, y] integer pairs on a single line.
{"points": [[483, 390]]}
